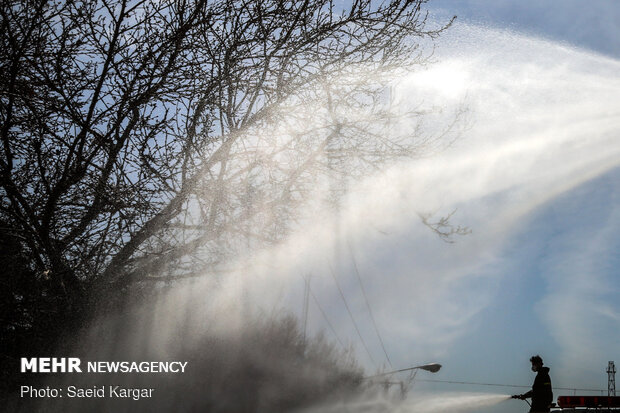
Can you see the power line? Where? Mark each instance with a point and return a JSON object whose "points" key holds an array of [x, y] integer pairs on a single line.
{"points": [[372, 317], [331, 327], [501, 385], [351, 315], [471, 382]]}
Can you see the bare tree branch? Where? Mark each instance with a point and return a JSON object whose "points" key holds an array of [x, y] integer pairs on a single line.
{"points": [[140, 136]]}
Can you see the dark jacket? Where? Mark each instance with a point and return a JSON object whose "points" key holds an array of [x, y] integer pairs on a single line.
{"points": [[541, 393]]}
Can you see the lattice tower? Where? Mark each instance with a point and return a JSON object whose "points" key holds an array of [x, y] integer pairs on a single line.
{"points": [[611, 379]]}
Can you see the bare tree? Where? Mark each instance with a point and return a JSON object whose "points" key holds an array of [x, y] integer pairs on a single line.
{"points": [[145, 140]]}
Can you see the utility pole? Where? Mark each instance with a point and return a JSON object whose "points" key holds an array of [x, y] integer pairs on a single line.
{"points": [[611, 379], [306, 304]]}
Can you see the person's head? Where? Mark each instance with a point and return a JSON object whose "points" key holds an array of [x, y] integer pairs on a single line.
{"points": [[537, 362]]}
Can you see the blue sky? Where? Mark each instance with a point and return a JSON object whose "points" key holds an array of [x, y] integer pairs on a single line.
{"points": [[558, 295], [535, 173], [592, 25]]}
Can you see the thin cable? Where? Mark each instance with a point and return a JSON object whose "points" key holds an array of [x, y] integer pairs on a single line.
{"points": [[351, 315], [331, 327], [470, 382], [500, 385], [372, 317]]}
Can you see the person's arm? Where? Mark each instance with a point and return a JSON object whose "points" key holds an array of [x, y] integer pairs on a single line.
{"points": [[524, 395]]}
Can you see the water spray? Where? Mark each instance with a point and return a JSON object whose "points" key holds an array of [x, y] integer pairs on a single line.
{"points": [[455, 402]]}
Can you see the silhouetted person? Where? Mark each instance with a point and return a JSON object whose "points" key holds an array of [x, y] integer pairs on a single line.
{"points": [[541, 393]]}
